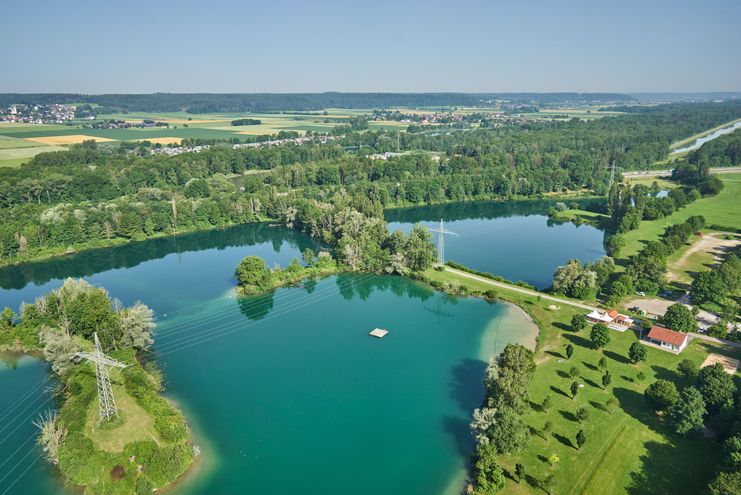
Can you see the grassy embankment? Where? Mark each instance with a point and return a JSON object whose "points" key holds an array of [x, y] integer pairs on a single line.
{"points": [[629, 448]]}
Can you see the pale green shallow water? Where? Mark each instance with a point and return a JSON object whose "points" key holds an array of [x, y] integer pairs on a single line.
{"points": [[287, 393]]}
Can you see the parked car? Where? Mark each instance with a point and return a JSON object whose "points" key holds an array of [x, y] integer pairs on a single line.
{"points": [[641, 293]]}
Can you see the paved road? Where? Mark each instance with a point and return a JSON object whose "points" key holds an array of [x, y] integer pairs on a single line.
{"points": [[522, 290], [661, 173], [702, 336]]}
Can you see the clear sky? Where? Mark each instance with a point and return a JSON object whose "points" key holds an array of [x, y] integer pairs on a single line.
{"points": [[407, 46]]}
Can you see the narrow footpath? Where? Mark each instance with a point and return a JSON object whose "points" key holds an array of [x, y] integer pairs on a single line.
{"points": [[568, 302]]}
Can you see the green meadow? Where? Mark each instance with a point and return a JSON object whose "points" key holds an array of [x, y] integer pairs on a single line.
{"points": [[629, 448]]}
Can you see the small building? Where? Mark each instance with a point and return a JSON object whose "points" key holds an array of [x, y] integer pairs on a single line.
{"points": [[611, 318], [668, 339], [597, 317]]}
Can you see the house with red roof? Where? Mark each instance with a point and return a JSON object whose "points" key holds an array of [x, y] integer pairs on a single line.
{"points": [[667, 339]]}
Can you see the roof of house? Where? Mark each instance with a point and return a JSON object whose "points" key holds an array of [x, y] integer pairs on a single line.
{"points": [[612, 313], [596, 315], [665, 335]]}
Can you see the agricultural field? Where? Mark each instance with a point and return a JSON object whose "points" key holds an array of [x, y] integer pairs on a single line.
{"points": [[20, 142]]}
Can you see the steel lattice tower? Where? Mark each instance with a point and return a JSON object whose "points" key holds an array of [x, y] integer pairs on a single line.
{"points": [[441, 233], [106, 402]]}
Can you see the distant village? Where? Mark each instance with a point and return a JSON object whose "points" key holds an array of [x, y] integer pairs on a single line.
{"points": [[37, 114]]}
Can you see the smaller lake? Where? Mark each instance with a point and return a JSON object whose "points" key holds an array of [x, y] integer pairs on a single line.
{"points": [[513, 239], [713, 135]]}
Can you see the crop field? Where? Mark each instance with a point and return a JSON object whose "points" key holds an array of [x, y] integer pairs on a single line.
{"points": [[67, 139]]}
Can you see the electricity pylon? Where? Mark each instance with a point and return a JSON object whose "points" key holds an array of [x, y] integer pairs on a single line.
{"points": [[106, 402], [441, 233]]}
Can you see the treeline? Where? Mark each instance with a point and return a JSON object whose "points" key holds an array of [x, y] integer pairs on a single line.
{"points": [[497, 426], [724, 151], [646, 271], [707, 397], [361, 245], [627, 206], [264, 102], [238, 122], [717, 291]]}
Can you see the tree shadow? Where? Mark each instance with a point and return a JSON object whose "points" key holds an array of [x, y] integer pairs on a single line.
{"points": [[664, 373], [556, 354], [562, 326], [578, 340], [627, 378], [466, 384], [598, 405], [616, 357], [590, 366], [590, 383], [664, 470], [563, 440], [532, 480], [567, 415], [559, 391], [634, 404], [563, 374], [460, 430], [542, 458]]}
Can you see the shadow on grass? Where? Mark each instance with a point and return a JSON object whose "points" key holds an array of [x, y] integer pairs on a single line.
{"points": [[563, 374], [658, 473], [578, 340], [567, 415], [598, 405], [591, 383], [634, 404], [561, 392], [617, 357], [534, 482], [564, 440], [590, 366], [562, 326], [627, 378], [665, 374], [556, 354], [542, 458]]}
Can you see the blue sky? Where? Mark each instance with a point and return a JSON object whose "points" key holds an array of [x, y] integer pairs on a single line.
{"points": [[408, 46]]}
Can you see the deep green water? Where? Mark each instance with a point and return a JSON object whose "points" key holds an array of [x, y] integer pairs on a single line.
{"points": [[513, 239], [286, 392]]}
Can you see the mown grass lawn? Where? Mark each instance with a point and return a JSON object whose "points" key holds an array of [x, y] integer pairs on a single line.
{"points": [[629, 448], [722, 210]]}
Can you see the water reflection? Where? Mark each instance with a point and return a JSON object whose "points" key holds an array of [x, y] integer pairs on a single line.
{"points": [[94, 261]]}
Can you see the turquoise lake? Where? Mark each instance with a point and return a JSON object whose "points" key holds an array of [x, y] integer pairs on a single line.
{"points": [[513, 239], [286, 392]]}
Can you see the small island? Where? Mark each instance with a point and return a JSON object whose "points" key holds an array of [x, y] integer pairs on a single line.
{"points": [[139, 444]]}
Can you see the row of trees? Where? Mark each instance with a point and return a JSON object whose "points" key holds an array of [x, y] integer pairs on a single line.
{"points": [[498, 426]]}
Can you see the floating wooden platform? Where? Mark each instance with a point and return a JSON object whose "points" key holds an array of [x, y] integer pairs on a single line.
{"points": [[378, 332]]}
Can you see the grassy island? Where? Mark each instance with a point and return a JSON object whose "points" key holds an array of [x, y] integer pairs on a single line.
{"points": [[147, 445]]}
